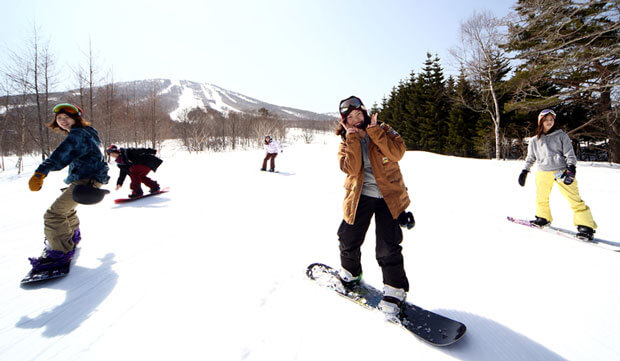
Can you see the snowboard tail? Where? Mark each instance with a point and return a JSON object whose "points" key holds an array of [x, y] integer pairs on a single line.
{"points": [[430, 327], [597, 242]]}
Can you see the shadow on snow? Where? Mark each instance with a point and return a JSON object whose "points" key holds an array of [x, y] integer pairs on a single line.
{"points": [[487, 340], [86, 289]]}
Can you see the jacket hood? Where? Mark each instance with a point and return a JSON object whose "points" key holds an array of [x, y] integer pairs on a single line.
{"points": [[90, 131], [554, 133]]}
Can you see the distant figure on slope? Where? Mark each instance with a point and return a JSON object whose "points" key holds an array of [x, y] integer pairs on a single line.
{"points": [[272, 148], [369, 155], [137, 163], [553, 152], [80, 151]]}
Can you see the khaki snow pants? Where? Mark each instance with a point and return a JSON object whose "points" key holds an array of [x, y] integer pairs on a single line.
{"points": [[544, 183], [61, 220]]}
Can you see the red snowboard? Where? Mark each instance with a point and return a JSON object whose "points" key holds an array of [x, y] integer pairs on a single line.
{"points": [[125, 200]]}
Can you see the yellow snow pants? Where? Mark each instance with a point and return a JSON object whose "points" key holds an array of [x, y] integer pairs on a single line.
{"points": [[582, 216]]}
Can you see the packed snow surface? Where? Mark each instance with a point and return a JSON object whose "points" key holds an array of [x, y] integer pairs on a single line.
{"points": [[214, 269]]}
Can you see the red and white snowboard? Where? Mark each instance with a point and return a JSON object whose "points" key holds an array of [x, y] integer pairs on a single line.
{"points": [[125, 200]]}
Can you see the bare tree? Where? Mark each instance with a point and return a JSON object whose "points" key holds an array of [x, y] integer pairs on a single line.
{"points": [[20, 78], [156, 118], [4, 122], [267, 123], [109, 109], [195, 130], [234, 122], [133, 113], [35, 54], [49, 74], [91, 82], [484, 63], [308, 136]]}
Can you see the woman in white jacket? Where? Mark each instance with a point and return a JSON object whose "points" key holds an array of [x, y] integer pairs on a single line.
{"points": [[272, 148], [552, 150]]}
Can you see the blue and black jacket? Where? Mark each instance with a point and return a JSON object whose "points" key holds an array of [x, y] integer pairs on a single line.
{"points": [[81, 152]]}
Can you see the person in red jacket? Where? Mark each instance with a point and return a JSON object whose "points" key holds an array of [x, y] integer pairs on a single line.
{"points": [[137, 163]]}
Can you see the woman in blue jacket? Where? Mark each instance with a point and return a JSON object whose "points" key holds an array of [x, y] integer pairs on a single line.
{"points": [[80, 151]]}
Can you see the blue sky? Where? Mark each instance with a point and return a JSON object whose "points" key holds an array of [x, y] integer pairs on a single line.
{"points": [[303, 54]]}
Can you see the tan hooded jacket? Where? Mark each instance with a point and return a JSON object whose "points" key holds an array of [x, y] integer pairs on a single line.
{"points": [[386, 148]]}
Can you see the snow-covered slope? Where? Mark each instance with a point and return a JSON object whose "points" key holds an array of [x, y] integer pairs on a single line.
{"points": [[186, 95], [214, 269]]}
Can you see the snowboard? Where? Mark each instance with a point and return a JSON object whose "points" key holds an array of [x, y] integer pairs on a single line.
{"points": [[48, 274], [598, 242], [430, 327], [125, 200]]}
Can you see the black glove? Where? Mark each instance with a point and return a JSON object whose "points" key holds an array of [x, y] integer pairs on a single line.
{"points": [[405, 219], [569, 174], [522, 177]]}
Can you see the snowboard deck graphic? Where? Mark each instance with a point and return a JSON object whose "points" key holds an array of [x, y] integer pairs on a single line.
{"points": [[125, 200], [430, 327], [597, 242]]}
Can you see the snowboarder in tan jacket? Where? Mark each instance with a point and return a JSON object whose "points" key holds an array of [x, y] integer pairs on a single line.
{"points": [[369, 155]]}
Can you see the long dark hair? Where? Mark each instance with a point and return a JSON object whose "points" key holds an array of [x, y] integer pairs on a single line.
{"points": [[541, 129], [343, 132], [79, 122]]}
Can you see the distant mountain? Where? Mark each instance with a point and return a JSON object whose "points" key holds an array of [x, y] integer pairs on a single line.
{"points": [[179, 95], [333, 115]]}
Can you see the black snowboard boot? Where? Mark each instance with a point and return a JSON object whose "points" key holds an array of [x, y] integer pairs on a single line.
{"points": [[585, 233], [539, 222]]}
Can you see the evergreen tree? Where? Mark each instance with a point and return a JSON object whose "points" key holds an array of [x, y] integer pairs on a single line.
{"points": [[431, 106], [574, 46], [462, 125], [395, 113]]}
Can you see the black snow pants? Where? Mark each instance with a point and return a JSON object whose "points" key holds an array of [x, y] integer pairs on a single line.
{"points": [[387, 250]]}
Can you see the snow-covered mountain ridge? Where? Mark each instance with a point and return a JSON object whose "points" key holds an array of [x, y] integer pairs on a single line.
{"points": [[180, 95]]}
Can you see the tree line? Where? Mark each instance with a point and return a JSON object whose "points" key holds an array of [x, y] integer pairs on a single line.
{"points": [[203, 129], [560, 54]]}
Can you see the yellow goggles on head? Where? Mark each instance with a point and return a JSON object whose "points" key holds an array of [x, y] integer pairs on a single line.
{"points": [[69, 108]]}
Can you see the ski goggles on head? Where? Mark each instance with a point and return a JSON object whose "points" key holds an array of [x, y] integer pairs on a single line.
{"points": [[545, 112], [349, 104], [69, 108]]}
